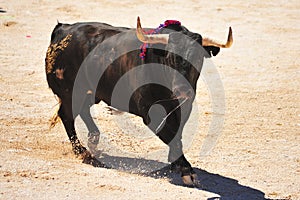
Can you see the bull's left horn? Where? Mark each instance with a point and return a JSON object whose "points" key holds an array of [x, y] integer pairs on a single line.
{"points": [[151, 39], [210, 42]]}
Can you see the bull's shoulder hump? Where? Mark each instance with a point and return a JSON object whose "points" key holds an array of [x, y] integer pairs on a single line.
{"points": [[97, 25]]}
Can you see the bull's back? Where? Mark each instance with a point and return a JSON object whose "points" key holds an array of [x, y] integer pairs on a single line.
{"points": [[70, 44]]}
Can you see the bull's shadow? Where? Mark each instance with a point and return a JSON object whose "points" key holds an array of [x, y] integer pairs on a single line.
{"points": [[226, 188]]}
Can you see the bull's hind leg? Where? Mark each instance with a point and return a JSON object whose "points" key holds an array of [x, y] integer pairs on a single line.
{"points": [[65, 113], [94, 133]]}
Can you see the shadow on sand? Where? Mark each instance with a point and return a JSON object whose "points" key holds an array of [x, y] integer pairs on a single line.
{"points": [[224, 188]]}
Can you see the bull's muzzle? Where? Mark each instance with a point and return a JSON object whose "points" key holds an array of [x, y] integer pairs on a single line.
{"points": [[183, 92]]}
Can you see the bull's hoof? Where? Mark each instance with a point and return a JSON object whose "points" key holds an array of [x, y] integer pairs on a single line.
{"points": [[190, 179], [88, 158], [93, 140], [79, 150]]}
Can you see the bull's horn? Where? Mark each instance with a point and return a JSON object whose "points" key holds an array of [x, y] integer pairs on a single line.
{"points": [[151, 39], [210, 42]]}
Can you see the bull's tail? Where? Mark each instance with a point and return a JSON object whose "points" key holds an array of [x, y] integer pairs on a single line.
{"points": [[55, 118]]}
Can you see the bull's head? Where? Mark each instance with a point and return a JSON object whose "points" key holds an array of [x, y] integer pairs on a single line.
{"points": [[185, 53]]}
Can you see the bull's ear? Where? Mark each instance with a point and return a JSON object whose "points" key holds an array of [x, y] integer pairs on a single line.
{"points": [[212, 50]]}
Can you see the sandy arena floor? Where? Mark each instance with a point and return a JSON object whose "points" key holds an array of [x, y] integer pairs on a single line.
{"points": [[256, 155]]}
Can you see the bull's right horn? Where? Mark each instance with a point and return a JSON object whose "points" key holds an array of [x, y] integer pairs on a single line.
{"points": [[151, 39], [210, 42]]}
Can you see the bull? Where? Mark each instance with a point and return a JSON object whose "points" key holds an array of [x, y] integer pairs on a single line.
{"points": [[85, 62]]}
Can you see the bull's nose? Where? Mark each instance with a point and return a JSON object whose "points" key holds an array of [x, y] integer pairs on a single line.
{"points": [[183, 93]]}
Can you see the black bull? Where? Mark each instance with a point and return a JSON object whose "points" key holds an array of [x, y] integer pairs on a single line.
{"points": [[87, 63]]}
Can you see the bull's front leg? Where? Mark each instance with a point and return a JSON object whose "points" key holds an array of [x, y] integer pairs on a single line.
{"points": [[177, 158], [171, 134], [172, 137]]}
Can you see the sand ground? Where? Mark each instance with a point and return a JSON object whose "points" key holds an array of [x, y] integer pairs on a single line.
{"points": [[256, 155]]}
